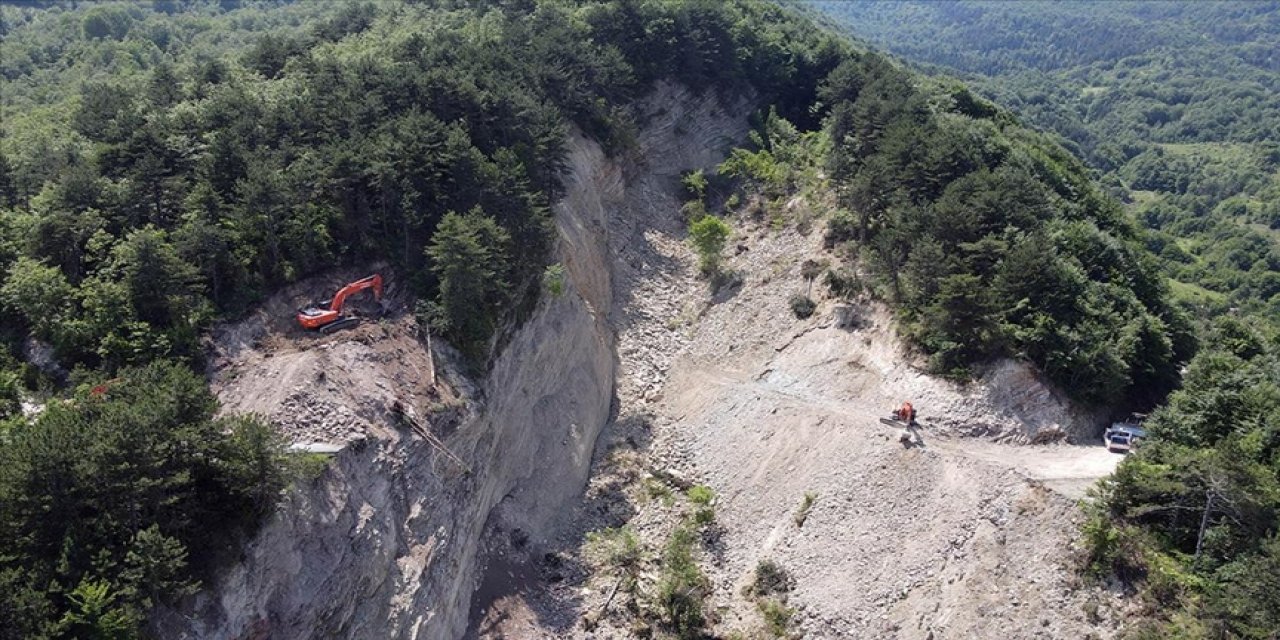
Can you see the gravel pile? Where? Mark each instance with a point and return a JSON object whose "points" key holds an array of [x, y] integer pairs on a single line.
{"points": [[332, 389]]}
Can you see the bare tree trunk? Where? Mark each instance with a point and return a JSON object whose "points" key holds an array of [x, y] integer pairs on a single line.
{"points": [[612, 592], [1204, 524], [431, 358]]}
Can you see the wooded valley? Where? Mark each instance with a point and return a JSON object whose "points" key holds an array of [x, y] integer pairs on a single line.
{"points": [[1104, 207]]}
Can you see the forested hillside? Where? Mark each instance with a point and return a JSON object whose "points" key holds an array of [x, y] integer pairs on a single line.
{"points": [[1173, 104], [989, 238], [166, 165]]}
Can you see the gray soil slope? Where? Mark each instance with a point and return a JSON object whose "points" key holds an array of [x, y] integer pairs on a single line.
{"points": [[634, 383], [963, 537]]}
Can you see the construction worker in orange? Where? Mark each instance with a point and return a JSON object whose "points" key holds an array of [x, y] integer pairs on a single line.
{"points": [[910, 434], [906, 414]]}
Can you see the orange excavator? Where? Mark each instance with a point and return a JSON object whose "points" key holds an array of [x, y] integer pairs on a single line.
{"points": [[904, 418], [327, 316], [901, 417]]}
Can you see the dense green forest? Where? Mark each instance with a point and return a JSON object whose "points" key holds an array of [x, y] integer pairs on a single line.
{"points": [[1193, 516], [112, 501], [163, 168], [988, 238], [1173, 105], [165, 165]]}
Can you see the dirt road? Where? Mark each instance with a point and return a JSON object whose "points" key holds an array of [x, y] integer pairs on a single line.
{"points": [[1065, 468], [960, 538]]}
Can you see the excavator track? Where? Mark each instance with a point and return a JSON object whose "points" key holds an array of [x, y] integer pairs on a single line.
{"points": [[340, 324]]}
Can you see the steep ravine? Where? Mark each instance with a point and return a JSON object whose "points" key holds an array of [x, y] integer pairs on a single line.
{"points": [[385, 543], [731, 390], [964, 535]]}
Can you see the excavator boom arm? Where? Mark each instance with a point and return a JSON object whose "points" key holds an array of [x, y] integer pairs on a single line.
{"points": [[328, 316], [372, 282]]}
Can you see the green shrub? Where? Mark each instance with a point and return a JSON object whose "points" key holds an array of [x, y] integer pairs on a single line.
{"points": [[693, 210], [708, 235], [695, 185], [1167, 582], [777, 616], [617, 549], [553, 279], [702, 498], [806, 504], [655, 489], [682, 588], [842, 227], [769, 579], [844, 283], [307, 467], [1101, 541], [700, 495], [802, 306]]}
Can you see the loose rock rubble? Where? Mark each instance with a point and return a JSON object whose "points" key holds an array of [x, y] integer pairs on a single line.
{"points": [[330, 388], [953, 539], [960, 537]]}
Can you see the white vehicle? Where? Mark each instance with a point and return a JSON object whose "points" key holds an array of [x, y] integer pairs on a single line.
{"points": [[1124, 436]]}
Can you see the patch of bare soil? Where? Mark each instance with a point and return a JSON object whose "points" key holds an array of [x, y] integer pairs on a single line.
{"points": [[966, 533], [319, 388], [955, 536]]}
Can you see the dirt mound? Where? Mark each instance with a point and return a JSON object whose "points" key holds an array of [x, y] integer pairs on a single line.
{"points": [[330, 388]]}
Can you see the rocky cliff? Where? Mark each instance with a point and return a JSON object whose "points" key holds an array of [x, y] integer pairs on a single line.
{"points": [[385, 542], [393, 538]]}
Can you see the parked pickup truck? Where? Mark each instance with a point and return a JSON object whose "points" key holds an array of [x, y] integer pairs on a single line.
{"points": [[1124, 436]]}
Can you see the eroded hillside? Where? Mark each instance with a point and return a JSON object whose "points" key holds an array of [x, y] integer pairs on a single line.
{"points": [[521, 175], [959, 537]]}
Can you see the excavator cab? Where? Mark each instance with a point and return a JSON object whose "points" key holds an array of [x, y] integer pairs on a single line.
{"points": [[906, 413], [318, 316], [328, 317]]}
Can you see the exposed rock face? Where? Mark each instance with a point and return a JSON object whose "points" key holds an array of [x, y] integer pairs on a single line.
{"points": [[388, 542], [40, 354], [1042, 413], [384, 544]]}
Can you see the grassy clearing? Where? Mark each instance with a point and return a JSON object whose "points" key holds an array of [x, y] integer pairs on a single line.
{"points": [[1195, 294]]}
